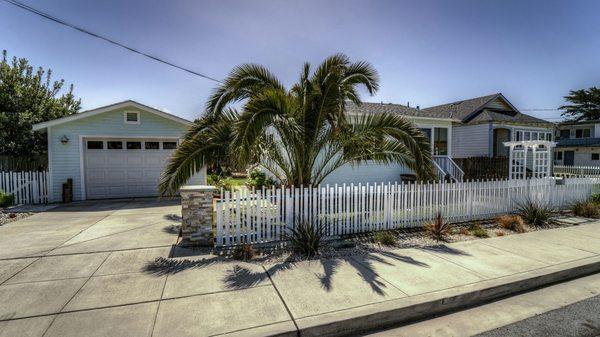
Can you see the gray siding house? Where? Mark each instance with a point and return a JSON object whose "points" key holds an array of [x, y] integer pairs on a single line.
{"points": [[484, 123]]}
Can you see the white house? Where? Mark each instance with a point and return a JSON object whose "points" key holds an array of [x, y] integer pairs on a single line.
{"points": [[116, 151], [578, 143]]}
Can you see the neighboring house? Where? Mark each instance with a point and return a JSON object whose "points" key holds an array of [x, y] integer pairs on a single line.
{"points": [[578, 143], [475, 127], [116, 151], [488, 121]]}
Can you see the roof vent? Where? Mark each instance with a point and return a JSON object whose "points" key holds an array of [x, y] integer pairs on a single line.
{"points": [[418, 108]]}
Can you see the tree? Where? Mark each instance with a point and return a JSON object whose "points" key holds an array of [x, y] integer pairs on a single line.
{"points": [[28, 97], [586, 104], [299, 135]]}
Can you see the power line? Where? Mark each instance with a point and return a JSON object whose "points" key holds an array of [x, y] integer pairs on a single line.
{"points": [[85, 31]]}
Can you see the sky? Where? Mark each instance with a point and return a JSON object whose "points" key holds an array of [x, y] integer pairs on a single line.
{"points": [[426, 52]]}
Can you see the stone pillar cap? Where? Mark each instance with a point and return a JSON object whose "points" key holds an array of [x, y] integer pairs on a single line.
{"points": [[197, 188]]}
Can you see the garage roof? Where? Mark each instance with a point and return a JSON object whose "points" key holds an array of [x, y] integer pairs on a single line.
{"points": [[93, 112]]}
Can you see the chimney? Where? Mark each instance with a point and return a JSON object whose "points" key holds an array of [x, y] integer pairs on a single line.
{"points": [[418, 108], [408, 104], [381, 102]]}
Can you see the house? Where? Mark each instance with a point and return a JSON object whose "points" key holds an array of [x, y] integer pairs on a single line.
{"points": [[115, 151], [578, 143], [488, 121], [475, 127]]}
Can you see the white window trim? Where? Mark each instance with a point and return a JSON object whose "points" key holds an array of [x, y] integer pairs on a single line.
{"points": [[131, 112]]}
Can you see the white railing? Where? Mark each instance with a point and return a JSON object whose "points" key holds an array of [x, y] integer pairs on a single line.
{"points": [[28, 187], [449, 166], [587, 171], [264, 216]]}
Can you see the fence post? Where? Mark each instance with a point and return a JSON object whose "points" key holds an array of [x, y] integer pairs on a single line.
{"points": [[196, 212]]}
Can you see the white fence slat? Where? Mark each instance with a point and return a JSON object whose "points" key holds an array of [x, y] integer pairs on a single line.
{"points": [[27, 187]]}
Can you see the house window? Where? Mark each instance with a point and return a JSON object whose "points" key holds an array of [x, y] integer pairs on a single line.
{"points": [[534, 136], [134, 145], [549, 136], [565, 134], [132, 117], [95, 145], [519, 136], [558, 155], [151, 145], [427, 133], [114, 145], [595, 156], [582, 133], [169, 145], [542, 136], [527, 135], [440, 141]]}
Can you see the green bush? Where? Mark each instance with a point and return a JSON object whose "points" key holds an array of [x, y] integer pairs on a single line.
{"points": [[306, 238], [586, 209], [535, 213], [258, 179], [385, 238], [6, 199], [478, 231], [595, 198]]}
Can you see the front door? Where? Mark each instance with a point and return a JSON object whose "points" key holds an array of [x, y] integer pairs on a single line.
{"points": [[569, 158]]}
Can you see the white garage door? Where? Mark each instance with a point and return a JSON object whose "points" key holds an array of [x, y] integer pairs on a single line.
{"points": [[123, 168]]}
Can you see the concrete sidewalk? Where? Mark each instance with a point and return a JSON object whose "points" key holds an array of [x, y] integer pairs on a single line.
{"points": [[92, 285]]}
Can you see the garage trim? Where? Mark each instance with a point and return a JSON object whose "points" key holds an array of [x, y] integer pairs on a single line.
{"points": [[82, 159]]}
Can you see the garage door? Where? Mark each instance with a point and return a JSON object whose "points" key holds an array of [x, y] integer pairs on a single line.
{"points": [[123, 168]]}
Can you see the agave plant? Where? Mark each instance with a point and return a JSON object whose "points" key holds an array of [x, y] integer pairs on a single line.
{"points": [[306, 238], [535, 213], [438, 229], [299, 135]]}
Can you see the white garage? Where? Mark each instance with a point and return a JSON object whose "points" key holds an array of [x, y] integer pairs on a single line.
{"points": [[119, 168], [115, 151]]}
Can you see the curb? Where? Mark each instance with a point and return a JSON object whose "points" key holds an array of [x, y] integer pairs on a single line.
{"points": [[408, 309]]}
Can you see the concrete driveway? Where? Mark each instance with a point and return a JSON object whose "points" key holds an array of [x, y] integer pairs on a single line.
{"points": [[80, 256]]}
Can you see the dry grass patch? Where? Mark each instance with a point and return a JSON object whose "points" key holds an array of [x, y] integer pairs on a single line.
{"points": [[511, 222]]}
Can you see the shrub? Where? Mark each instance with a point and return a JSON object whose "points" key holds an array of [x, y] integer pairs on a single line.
{"points": [[595, 198], [258, 179], [438, 229], [385, 238], [306, 238], [464, 231], [6, 199], [535, 213], [511, 222], [478, 231], [586, 209], [500, 233], [244, 252]]}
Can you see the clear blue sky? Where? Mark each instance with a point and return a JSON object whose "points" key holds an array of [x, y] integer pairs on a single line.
{"points": [[427, 52]]}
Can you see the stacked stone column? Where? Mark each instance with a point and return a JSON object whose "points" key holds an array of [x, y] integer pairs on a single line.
{"points": [[196, 212]]}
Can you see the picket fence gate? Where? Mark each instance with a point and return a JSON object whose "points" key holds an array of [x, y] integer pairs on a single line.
{"points": [[583, 171], [28, 187], [258, 216]]}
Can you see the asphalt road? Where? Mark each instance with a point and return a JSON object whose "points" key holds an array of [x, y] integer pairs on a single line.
{"points": [[581, 319]]}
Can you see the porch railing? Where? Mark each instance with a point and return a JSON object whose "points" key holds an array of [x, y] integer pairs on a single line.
{"points": [[449, 167]]}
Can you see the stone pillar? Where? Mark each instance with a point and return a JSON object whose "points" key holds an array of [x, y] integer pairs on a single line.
{"points": [[196, 212]]}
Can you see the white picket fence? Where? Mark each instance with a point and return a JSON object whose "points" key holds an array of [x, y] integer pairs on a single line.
{"points": [[247, 216], [583, 171], [28, 187]]}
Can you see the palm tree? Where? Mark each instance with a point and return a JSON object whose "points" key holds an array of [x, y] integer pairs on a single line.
{"points": [[299, 135]]}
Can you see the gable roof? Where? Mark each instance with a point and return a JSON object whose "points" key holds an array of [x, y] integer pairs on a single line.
{"points": [[107, 108], [481, 109], [367, 107]]}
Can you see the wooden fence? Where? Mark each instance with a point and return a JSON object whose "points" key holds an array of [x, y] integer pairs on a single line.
{"points": [[28, 187], [262, 216], [583, 171], [483, 167]]}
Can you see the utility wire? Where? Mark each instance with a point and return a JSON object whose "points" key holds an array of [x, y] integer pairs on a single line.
{"points": [[85, 31]]}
